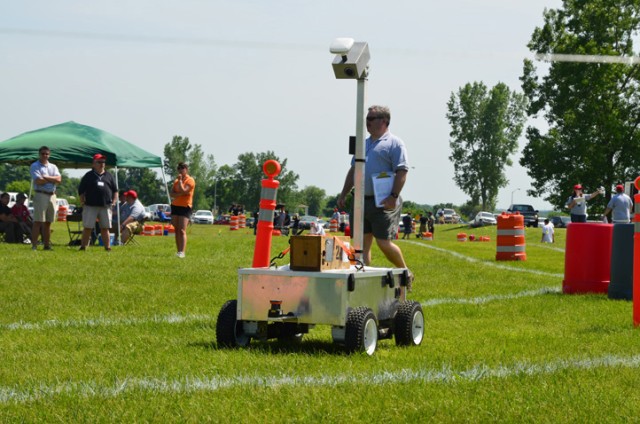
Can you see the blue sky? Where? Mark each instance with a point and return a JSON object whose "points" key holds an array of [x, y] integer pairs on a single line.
{"points": [[241, 76]]}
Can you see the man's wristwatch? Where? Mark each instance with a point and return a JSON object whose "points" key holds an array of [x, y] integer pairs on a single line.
{"points": [[394, 195]]}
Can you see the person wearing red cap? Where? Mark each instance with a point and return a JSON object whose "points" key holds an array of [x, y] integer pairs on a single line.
{"points": [[621, 206], [98, 193], [181, 204], [131, 215], [578, 203]]}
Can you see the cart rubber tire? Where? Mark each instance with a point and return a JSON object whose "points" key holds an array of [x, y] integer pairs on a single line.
{"points": [[409, 324], [229, 331], [361, 332]]}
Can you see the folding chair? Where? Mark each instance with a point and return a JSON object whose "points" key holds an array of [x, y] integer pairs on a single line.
{"points": [[133, 234], [74, 226]]}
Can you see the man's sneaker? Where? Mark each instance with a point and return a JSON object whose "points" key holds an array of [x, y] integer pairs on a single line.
{"points": [[47, 248], [34, 247], [82, 249], [180, 254]]}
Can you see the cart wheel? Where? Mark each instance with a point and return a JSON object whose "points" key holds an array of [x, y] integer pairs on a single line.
{"points": [[229, 331], [361, 332], [409, 324]]}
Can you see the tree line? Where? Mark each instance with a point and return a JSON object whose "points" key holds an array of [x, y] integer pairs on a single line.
{"points": [[592, 111]]}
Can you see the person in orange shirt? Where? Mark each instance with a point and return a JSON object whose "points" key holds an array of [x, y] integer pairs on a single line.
{"points": [[181, 205]]}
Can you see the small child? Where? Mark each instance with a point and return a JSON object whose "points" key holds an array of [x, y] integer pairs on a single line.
{"points": [[548, 233]]}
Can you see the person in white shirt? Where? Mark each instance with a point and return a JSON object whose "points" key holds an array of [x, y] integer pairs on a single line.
{"points": [[620, 205], [548, 232]]}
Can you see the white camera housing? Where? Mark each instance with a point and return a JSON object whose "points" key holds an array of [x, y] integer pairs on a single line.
{"points": [[341, 46], [351, 60]]}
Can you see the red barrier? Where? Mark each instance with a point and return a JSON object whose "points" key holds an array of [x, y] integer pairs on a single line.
{"points": [[587, 259], [636, 257]]}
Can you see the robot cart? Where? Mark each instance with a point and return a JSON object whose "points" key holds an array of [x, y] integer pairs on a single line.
{"points": [[361, 306]]}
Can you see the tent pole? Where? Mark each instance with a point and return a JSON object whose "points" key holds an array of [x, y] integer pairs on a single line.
{"points": [[166, 187], [117, 208]]}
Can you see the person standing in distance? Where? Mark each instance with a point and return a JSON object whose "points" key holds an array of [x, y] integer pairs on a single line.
{"points": [[384, 152], [46, 177], [98, 194], [548, 232], [181, 204], [621, 205]]}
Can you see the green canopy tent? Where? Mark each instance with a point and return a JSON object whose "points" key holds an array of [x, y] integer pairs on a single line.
{"points": [[73, 146]]}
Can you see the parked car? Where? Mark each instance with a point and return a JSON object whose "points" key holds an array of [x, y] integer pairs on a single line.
{"points": [[530, 214], [202, 217], [560, 221], [222, 220], [148, 216], [251, 222], [306, 220], [450, 216], [484, 218]]}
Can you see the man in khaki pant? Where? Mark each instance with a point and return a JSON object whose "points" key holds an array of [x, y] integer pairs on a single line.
{"points": [[46, 177]]}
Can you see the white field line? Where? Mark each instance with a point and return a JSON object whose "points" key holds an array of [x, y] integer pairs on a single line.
{"points": [[107, 322], [547, 246], [490, 264], [490, 298], [200, 384], [191, 318]]}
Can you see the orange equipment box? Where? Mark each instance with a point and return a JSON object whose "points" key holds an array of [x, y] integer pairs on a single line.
{"points": [[318, 253]]}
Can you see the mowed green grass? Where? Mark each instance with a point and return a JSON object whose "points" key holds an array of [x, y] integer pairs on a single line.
{"points": [[130, 337]]}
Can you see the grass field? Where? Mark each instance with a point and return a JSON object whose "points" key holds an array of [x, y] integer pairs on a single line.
{"points": [[130, 337]]}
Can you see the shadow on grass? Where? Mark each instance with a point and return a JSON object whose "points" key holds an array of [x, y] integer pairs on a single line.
{"points": [[280, 347]]}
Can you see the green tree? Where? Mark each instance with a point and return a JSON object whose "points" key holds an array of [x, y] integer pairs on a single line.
{"points": [[241, 182], [314, 198], [592, 110], [10, 173], [19, 186], [485, 126]]}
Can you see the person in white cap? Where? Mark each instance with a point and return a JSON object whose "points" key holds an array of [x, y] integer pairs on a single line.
{"points": [[620, 205]]}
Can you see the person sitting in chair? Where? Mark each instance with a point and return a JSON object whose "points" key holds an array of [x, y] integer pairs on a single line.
{"points": [[162, 217], [9, 224], [131, 216], [21, 212]]}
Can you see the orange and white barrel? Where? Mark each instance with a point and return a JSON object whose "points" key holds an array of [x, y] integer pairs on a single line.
{"points": [[462, 236], [157, 230], [242, 221], [427, 236], [169, 230], [333, 226], [62, 213], [234, 222], [148, 230], [510, 238]]}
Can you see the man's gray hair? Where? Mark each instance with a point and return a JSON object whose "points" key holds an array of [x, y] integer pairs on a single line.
{"points": [[381, 111]]}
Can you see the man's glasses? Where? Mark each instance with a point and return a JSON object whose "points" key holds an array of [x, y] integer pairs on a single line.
{"points": [[373, 118], [181, 167], [45, 154]]}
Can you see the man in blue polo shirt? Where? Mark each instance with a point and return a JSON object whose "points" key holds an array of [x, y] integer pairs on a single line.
{"points": [[387, 153], [45, 178]]}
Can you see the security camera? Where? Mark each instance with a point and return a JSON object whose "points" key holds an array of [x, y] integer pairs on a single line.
{"points": [[352, 58]]}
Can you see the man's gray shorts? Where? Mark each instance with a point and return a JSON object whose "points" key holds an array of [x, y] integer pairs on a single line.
{"points": [[382, 223]]}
